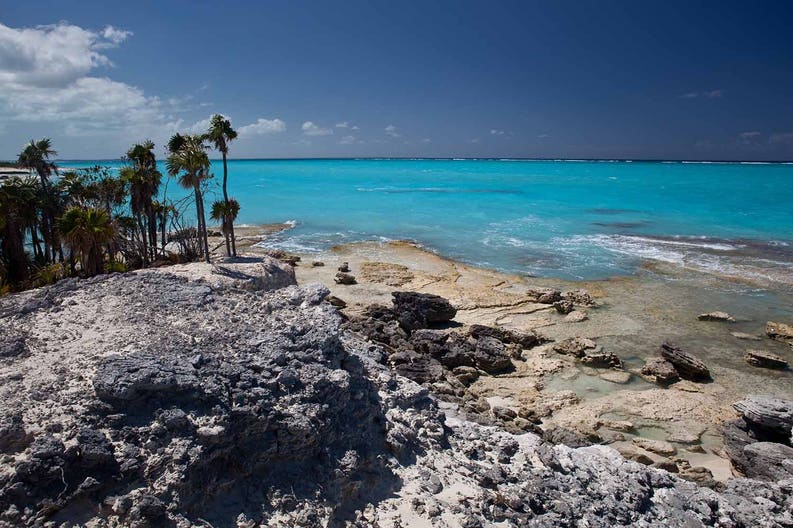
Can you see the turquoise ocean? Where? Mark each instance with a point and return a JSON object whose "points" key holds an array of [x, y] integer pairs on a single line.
{"points": [[565, 218]]}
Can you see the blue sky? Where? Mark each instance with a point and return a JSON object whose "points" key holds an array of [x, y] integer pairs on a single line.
{"points": [[575, 79]]}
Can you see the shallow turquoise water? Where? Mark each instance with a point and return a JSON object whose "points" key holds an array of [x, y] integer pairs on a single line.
{"points": [[567, 219]]}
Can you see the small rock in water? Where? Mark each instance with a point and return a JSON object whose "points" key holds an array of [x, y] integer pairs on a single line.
{"points": [[661, 371], [761, 358], [616, 376], [688, 366], [716, 316], [658, 447], [780, 332], [574, 346], [344, 278], [575, 316], [345, 267], [601, 359], [745, 336]]}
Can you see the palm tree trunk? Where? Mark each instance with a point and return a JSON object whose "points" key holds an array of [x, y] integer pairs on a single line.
{"points": [[226, 203], [202, 222]]}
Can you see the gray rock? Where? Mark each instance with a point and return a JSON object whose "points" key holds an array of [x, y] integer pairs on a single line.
{"points": [[601, 359], [523, 339], [139, 375], [716, 316], [421, 310], [661, 371], [780, 332], [688, 366], [768, 461], [12, 344], [564, 307], [767, 415], [763, 359], [574, 346], [344, 278]]}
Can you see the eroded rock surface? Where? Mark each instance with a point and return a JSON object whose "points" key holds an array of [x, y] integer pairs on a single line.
{"points": [[147, 400]]}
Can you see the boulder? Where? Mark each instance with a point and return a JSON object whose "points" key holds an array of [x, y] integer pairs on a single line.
{"points": [[564, 307], [576, 316], [421, 310], [135, 376], [660, 370], [780, 332], [580, 297], [574, 346], [545, 295], [768, 461], [256, 274], [688, 366], [769, 417], [491, 355], [344, 268], [761, 358], [659, 447], [601, 359], [344, 278], [335, 301], [524, 339], [716, 316]]}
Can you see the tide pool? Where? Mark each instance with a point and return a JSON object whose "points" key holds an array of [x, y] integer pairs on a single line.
{"points": [[568, 219]]}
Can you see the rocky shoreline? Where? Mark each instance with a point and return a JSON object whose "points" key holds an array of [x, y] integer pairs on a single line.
{"points": [[225, 395]]}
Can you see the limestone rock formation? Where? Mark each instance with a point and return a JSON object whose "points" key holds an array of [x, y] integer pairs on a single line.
{"points": [[761, 358], [688, 366], [148, 400]]}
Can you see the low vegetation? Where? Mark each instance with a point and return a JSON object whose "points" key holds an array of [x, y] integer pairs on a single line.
{"points": [[56, 223]]}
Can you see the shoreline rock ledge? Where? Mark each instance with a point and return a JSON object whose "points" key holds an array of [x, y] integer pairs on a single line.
{"points": [[149, 400]]}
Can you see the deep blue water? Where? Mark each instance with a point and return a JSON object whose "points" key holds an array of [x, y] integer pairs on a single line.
{"points": [[571, 219]]}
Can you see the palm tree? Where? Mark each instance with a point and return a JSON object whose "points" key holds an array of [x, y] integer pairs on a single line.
{"points": [[188, 156], [18, 206], [36, 156], [220, 134], [87, 231], [144, 180], [225, 212]]}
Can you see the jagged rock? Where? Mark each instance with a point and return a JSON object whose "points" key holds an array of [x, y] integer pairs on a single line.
{"points": [[465, 374], [570, 438], [546, 295], [574, 346], [688, 366], [259, 274], [524, 339], [768, 461], [780, 332], [421, 310], [344, 278], [767, 416], [601, 359], [139, 375], [761, 358], [564, 307], [580, 297], [12, 344], [344, 268], [491, 355], [290, 418], [634, 454], [716, 316], [660, 370], [13, 435]]}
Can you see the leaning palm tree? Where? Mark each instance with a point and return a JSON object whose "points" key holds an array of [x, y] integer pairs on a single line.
{"points": [[226, 213], [36, 156], [220, 134], [87, 231], [188, 160]]}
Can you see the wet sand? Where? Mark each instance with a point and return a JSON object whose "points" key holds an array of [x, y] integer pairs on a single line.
{"points": [[634, 316]]}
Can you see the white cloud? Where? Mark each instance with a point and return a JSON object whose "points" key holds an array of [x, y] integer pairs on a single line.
{"points": [[263, 126], [311, 129], [543, 136], [199, 127], [346, 124], [708, 94], [495, 132], [392, 131], [347, 140], [45, 77], [781, 139]]}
